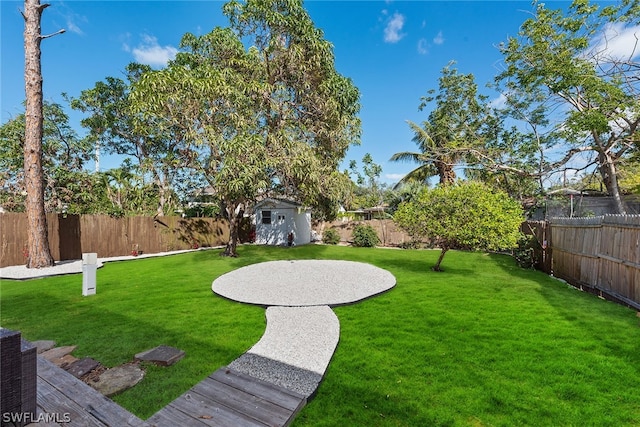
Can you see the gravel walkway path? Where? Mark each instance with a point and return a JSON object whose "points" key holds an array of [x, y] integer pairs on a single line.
{"points": [[302, 330], [295, 350]]}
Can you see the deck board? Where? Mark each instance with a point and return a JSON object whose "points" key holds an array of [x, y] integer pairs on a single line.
{"points": [[61, 393], [57, 407], [170, 415], [278, 395], [253, 407], [230, 398], [224, 398], [204, 410]]}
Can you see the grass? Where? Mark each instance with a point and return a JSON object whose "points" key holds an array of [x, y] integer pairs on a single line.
{"points": [[483, 344]]}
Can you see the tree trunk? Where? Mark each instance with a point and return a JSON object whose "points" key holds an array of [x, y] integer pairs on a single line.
{"points": [[38, 239], [610, 179], [446, 173], [233, 213], [437, 266], [162, 199], [163, 190]]}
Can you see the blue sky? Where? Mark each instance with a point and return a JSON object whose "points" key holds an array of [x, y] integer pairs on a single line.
{"points": [[392, 50]]}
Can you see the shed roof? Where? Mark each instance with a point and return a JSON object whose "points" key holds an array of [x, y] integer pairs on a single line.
{"points": [[274, 201]]}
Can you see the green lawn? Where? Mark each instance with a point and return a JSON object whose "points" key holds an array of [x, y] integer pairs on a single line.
{"points": [[482, 344]]}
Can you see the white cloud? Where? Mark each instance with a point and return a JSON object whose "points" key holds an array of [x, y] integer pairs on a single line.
{"points": [[149, 52], [423, 47], [617, 42], [72, 26], [499, 102], [438, 39], [393, 30], [72, 20], [621, 123], [394, 176]]}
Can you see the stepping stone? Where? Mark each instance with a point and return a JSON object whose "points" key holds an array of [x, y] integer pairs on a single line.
{"points": [[65, 361], [115, 380], [58, 352], [43, 345], [82, 367], [162, 355]]}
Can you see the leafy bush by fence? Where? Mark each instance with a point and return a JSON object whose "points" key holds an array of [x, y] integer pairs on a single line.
{"points": [[330, 237]]}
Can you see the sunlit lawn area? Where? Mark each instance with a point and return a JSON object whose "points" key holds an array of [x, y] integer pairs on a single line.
{"points": [[483, 344]]}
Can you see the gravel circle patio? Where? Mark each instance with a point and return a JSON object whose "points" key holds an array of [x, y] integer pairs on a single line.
{"points": [[304, 283]]}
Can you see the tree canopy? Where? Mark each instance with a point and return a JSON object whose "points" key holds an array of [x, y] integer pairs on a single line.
{"points": [[63, 154], [465, 215], [564, 67], [451, 130], [115, 129], [272, 119], [569, 102]]}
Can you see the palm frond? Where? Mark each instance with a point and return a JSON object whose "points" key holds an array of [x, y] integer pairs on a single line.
{"points": [[407, 156]]}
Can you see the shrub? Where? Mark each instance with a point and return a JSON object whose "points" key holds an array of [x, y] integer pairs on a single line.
{"points": [[525, 254], [467, 215], [411, 244], [365, 236], [331, 237]]}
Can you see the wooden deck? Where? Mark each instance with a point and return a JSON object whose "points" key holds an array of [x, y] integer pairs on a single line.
{"points": [[64, 400], [230, 398], [224, 398]]}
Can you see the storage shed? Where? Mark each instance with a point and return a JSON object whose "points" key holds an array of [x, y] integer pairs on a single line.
{"points": [[276, 219]]}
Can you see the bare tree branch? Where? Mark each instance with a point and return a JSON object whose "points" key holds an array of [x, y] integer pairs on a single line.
{"points": [[61, 31]]}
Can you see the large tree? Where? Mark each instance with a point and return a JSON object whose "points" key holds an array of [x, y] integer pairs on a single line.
{"points": [[450, 131], [568, 66], [206, 94], [64, 155], [115, 129], [464, 215], [308, 111], [274, 119], [38, 239]]}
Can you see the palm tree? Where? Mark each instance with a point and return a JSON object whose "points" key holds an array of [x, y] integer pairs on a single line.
{"points": [[434, 158], [452, 128]]}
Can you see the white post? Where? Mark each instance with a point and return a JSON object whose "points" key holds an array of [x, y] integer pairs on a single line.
{"points": [[89, 267]]}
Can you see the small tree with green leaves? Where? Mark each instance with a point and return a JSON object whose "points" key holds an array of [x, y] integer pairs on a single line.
{"points": [[467, 215]]}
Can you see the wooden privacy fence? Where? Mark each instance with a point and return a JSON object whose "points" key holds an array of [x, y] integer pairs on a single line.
{"points": [[71, 235], [601, 253], [387, 230]]}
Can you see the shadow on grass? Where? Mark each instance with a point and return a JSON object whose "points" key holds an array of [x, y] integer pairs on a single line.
{"points": [[253, 254], [597, 319], [554, 290], [112, 332], [418, 261], [373, 407], [421, 261]]}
